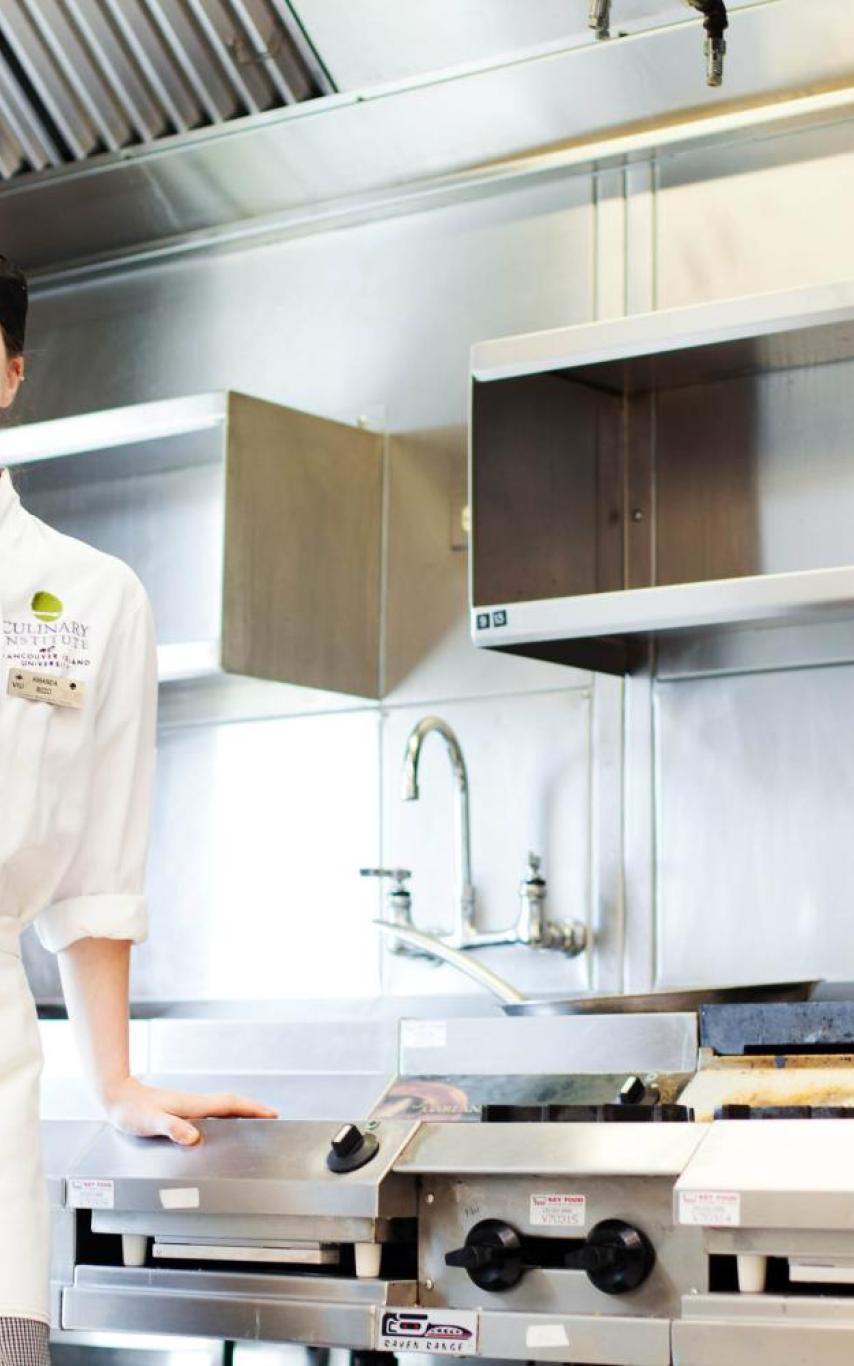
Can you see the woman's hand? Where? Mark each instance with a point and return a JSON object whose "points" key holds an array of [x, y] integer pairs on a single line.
{"points": [[152, 1111]]}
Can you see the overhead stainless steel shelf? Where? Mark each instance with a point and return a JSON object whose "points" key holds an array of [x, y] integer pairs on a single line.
{"points": [[223, 504], [633, 479], [700, 343], [112, 428]]}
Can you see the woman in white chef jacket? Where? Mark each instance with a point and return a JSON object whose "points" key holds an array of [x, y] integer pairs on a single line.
{"points": [[78, 695]]}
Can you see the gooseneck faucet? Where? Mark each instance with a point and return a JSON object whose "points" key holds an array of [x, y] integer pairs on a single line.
{"points": [[532, 927], [464, 931]]}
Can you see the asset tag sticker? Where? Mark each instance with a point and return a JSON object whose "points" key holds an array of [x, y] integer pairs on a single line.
{"points": [[86, 1193], [546, 1335], [36, 687], [558, 1211], [424, 1034], [179, 1197], [432, 1332], [710, 1209]]}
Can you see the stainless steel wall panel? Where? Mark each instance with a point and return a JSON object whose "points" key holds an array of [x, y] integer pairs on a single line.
{"points": [[764, 216], [639, 865], [257, 320], [756, 649], [607, 832], [640, 208], [753, 856], [259, 833], [609, 274]]}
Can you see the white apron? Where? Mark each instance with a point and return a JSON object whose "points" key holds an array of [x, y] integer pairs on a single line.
{"points": [[23, 1197], [75, 789]]}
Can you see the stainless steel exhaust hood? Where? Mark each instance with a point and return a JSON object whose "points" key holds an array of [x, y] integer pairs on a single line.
{"points": [[82, 77], [515, 76]]}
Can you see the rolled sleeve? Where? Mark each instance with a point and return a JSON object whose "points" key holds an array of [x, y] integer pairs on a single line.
{"points": [[93, 917], [101, 895]]}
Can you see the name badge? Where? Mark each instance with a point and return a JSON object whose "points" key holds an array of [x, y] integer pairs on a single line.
{"points": [[35, 687]]}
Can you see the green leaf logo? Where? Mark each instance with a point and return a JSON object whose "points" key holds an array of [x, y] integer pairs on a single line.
{"points": [[46, 607]]}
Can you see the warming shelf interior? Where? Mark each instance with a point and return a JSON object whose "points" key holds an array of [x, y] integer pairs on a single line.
{"points": [[643, 480], [254, 527]]}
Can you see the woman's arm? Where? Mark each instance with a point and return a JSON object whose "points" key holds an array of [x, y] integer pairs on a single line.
{"points": [[95, 976]]}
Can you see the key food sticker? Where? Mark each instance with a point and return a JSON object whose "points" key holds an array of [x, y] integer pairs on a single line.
{"points": [[558, 1211], [710, 1209], [90, 1193], [432, 1332]]}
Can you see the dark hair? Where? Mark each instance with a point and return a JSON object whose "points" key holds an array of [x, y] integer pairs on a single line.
{"points": [[14, 298]]}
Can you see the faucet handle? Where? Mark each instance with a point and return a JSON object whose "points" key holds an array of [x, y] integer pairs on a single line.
{"points": [[398, 900], [400, 876], [535, 863]]}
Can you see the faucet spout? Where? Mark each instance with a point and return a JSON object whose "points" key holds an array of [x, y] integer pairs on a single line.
{"points": [[464, 927]]}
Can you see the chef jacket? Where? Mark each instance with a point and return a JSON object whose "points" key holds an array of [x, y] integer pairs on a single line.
{"points": [[75, 791]]}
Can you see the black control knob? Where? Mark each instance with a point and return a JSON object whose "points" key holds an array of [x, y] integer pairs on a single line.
{"points": [[616, 1256], [632, 1092], [492, 1255], [351, 1149]]}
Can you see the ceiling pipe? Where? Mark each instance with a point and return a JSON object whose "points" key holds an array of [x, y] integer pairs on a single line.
{"points": [[600, 18], [716, 24]]}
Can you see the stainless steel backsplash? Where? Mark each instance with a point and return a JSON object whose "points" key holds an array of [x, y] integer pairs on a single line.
{"points": [[700, 825]]}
